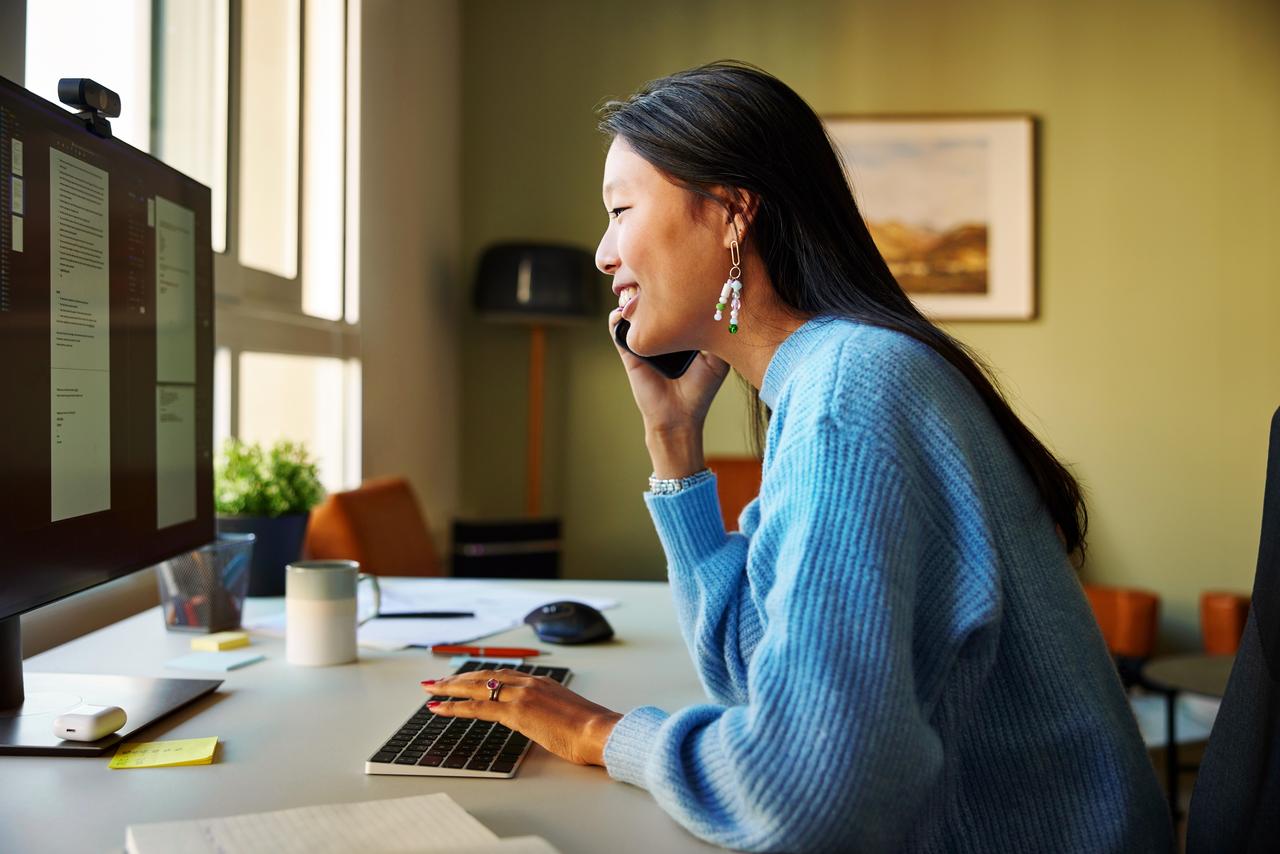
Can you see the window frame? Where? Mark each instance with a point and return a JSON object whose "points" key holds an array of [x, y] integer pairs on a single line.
{"points": [[255, 310]]}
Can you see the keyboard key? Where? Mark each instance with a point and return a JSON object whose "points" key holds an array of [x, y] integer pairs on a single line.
{"points": [[502, 766], [478, 764], [407, 760], [431, 760], [384, 756], [455, 761], [525, 668]]}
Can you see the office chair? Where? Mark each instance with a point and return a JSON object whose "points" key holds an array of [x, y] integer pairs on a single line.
{"points": [[379, 525], [1235, 805], [737, 482], [1128, 619], [1222, 620]]}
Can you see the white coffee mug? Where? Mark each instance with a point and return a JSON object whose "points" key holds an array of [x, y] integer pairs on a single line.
{"points": [[320, 617]]}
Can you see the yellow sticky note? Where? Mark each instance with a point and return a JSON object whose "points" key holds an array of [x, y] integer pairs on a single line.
{"points": [[165, 754], [220, 641]]}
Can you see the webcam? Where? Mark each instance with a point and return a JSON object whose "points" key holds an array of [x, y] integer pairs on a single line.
{"points": [[95, 102]]}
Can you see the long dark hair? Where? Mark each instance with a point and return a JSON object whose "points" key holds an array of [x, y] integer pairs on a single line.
{"points": [[729, 124]]}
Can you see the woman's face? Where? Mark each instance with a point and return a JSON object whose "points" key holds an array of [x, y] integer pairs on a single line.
{"points": [[666, 249]]}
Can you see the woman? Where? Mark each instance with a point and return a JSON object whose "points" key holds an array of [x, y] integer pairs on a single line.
{"points": [[897, 651]]}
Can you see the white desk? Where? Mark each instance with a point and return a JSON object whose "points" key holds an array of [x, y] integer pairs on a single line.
{"points": [[293, 736]]}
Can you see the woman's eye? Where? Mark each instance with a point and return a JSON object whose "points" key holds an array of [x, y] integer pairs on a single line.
{"points": [[613, 214]]}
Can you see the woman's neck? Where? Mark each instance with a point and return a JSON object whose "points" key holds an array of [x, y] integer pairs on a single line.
{"points": [[763, 324]]}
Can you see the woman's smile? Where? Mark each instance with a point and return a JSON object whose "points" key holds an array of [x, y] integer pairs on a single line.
{"points": [[627, 301]]}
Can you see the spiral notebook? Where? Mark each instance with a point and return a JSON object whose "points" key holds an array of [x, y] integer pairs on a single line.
{"points": [[422, 823]]}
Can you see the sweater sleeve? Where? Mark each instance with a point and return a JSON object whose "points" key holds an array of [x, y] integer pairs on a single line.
{"points": [[707, 570], [831, 713]]}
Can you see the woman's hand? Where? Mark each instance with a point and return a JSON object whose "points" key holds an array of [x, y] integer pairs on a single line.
{"points": [[547, 712], [673, 410]]}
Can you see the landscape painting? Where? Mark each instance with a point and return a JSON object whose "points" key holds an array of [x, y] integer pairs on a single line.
{"points": [[949, 204]]}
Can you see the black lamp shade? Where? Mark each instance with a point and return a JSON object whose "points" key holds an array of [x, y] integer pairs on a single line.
{"points": [[537, 283]]}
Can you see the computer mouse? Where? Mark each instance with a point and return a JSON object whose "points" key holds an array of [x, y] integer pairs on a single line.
{"points": [[569, 622]]}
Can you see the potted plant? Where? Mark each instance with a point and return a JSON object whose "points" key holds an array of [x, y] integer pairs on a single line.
{"points": [[268, 493]]}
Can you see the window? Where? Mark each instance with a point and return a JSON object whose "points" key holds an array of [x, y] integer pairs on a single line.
{"points": [[270, 72], [305, 398], [191, 83], [105, 40], [284, 178], [323, 161]]}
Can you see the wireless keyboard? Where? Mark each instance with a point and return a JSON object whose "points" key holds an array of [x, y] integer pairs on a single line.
{"points": [[432, 746]]}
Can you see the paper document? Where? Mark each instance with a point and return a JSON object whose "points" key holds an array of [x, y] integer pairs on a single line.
{"points": [[423, 823], [219, 662], [398, 634], [487, 600], [165, 754], [497, 608]]}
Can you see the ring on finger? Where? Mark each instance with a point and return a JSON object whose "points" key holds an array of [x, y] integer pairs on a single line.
{"points": [[495, 688]]}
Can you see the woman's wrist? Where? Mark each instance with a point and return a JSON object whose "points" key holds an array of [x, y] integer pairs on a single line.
{"points": [[597, 731], [675, 451]]}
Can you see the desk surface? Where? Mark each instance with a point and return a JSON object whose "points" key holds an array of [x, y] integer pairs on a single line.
{"points": [[294, 736]]}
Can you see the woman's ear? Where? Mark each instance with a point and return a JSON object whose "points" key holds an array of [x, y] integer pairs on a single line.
{"points": [[741, 207], [733, 212]]}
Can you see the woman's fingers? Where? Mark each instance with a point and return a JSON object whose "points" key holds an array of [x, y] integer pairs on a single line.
{"points": [[565, 723], [485, 710], [472, 686]]}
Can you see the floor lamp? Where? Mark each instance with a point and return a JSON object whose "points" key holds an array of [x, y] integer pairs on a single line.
{"points": [[534, 284]]}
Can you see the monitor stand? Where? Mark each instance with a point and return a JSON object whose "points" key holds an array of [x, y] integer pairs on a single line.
{"points": [[28, 705]]}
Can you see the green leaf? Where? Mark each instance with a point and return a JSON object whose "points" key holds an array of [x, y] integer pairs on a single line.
{"points": [[250, 481]]}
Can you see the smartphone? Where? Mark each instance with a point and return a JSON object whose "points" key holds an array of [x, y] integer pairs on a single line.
{"points": [[670, 365]]}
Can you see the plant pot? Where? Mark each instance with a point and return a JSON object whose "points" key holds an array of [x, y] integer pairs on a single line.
{"points": [[278, 543]]}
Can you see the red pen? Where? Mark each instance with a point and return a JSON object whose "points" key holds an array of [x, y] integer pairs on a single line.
{"points": [[486, 651]]}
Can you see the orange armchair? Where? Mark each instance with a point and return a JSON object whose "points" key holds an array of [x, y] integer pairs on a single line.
{"points": [[379, 525], [737, 482], [1222, 619], [1127, 617]]}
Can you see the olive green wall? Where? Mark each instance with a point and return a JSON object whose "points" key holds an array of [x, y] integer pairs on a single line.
{"points": [[1154, 364]]}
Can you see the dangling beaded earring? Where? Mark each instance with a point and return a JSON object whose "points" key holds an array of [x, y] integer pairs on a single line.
{"points": [[731, 293]]}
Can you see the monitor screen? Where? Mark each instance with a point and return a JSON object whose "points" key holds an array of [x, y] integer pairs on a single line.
{"points": [[106, 357]]}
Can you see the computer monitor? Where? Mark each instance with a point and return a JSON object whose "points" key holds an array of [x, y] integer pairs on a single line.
{"points": [[106, 372]]}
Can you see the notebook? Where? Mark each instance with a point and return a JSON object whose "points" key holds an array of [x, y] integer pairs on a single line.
{"points": [[422, 823]]}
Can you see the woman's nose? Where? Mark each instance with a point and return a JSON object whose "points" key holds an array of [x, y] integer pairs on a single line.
{"points": [[607, 260]]}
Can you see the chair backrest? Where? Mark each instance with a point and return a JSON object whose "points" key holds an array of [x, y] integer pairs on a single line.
{"points": [[737, 482], [1222, 619], [1128, 619], [378, 524], [1235, 805]]}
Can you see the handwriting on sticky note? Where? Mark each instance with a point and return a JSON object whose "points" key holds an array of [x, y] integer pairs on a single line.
{"points": [[165, 754]]}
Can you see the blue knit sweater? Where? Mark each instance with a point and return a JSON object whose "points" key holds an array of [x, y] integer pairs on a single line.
{"points": [[897, 653]]}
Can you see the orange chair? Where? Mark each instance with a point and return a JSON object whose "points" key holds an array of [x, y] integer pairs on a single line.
{"points": [[379, 525], [1222, 619], [1127, 617], [737, 482]]}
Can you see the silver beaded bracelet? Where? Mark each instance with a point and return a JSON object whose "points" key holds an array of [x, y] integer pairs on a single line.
{"points": [[670, 486]]}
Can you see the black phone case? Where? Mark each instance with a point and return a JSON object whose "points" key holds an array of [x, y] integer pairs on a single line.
{"points": [[670, 365]]}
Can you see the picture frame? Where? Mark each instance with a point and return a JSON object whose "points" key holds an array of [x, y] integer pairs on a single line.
{"points": [[951, 203]]}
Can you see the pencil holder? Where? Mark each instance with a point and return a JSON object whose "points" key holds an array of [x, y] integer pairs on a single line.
{"points": [[204, 590]]}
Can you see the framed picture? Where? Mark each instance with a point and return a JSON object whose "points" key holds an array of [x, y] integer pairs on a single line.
{"points": [[950, 201]]}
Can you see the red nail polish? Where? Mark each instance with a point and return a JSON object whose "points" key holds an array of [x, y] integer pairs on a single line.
{"points": [[433, 704], [428, 681]]}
